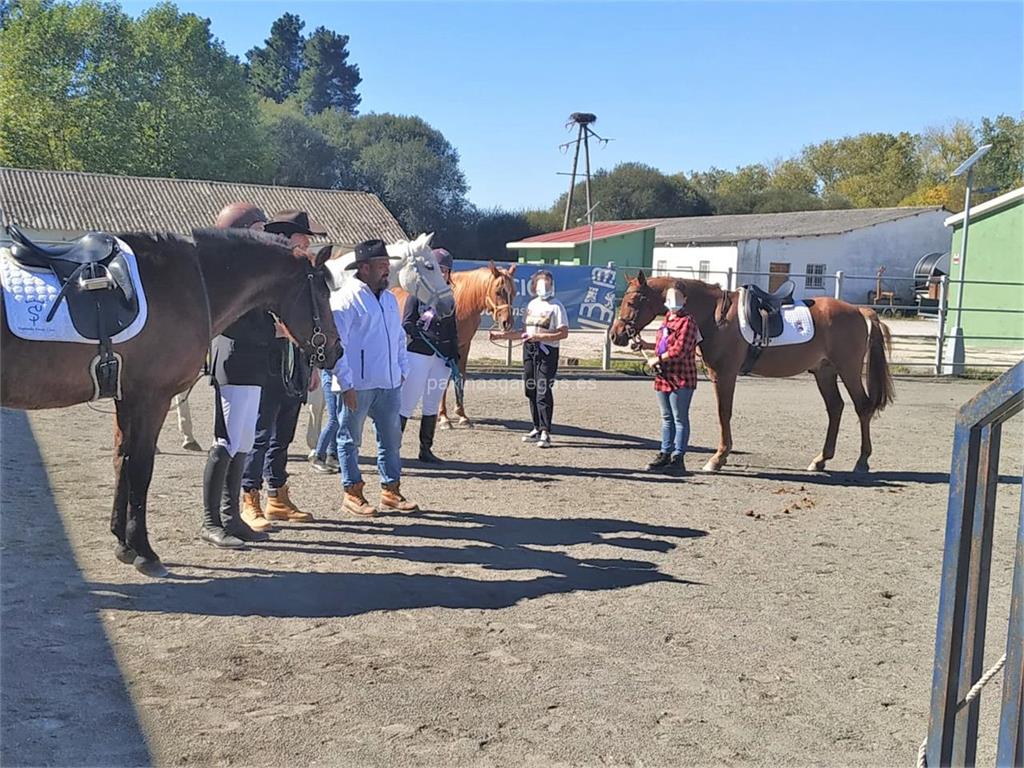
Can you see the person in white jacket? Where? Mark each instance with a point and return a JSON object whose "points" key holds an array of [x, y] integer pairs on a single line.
{"points": [[369, 376]]}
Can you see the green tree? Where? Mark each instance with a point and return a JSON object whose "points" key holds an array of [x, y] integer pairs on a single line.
{"points": [[869, 170], [1003, 166], [413, 169], [194, 116], [68, 87], [274, 69], [635, 191], [328, 81], [83, 87], [297, 153]]}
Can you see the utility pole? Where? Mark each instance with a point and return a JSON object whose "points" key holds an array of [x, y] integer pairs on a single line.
{"points": [[583, 121]]}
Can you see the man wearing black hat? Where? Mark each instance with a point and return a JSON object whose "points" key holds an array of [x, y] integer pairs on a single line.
{"points": [[370, 375], [279, 407]]}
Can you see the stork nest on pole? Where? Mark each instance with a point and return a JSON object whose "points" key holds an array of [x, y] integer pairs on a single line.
{"points": [[581, 118]]}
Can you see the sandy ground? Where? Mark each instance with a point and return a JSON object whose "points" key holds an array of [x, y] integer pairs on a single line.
{"points": [[555, 607]]}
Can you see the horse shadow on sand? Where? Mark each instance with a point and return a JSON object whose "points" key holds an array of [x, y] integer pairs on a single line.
{"points": [[441, 541]]}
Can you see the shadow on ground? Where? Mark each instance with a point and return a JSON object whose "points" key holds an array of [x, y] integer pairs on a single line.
{"points": [[496, 543], [63, 699]]}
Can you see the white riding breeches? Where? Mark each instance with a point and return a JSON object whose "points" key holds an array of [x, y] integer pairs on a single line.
{"points": [[240, 409], [428, 376]]}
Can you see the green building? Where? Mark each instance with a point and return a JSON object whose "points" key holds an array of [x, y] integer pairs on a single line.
{"points": [[627, 244], [995, 252]]}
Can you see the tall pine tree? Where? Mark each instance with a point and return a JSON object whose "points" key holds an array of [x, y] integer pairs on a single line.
{"points": [[328, 81], [274, 70]]}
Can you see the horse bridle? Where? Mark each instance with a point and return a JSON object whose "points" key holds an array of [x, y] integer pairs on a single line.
{"points": [[492, 306], [317, 339]]}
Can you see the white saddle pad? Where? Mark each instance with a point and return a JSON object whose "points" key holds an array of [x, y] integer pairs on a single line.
{"points": [[797, 325], [29, 294]]}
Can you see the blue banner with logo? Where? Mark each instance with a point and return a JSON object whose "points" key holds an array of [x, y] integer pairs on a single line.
{"points": [[588, 293]]}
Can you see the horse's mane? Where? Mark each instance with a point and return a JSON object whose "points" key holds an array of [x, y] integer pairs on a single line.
{"points": [[161, 247]]}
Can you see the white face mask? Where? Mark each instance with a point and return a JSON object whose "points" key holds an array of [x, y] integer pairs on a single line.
{"points": [[674, 300], [544, 289]]}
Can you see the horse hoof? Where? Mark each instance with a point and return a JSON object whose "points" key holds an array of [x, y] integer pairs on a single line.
{"points": [[861, 468], [445, 424], [152, 568], [464, 422], [711, 466], [125, 554], [816, 466]]}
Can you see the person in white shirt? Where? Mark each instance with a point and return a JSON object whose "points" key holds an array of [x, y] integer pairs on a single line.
{"points": [[546, 324], [369, 376]]}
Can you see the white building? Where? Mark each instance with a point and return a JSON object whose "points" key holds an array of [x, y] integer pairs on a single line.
{"points": [[809, 247]]}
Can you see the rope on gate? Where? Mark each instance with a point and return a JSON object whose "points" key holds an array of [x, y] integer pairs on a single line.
{"points": [[922, 752]]}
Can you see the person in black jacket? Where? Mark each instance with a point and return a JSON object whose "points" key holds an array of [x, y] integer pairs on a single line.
{"points": [[238, 365], [280, 404], [433, 345]]}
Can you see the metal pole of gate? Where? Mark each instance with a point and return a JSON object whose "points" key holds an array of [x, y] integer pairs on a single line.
{"points": [[839, 284], [606, 353], [940, 336], [508, 354], [728, 280]]}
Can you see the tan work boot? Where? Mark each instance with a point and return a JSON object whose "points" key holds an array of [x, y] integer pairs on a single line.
{"points": [[356, 503], [280, 507], [252, 512], [392, 499]]}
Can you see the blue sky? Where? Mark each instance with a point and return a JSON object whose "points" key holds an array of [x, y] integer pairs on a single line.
{"points": [[679, 85]]}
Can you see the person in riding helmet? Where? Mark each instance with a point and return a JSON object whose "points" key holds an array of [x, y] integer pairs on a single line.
{"points": [[238, 372], [546, 324], [675, 367], [432, 343]]}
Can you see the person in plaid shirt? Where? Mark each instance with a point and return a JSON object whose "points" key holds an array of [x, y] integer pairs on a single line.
{"points": [[675, 378]]}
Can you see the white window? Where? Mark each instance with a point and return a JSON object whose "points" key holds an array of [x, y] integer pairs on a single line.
{"points": [[661, 267], [815, 276], [703, 270]]}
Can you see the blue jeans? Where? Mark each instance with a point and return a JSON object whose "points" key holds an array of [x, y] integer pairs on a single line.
{"points": [[327, 445], [275, 430], [675, 420], [382, 406]]}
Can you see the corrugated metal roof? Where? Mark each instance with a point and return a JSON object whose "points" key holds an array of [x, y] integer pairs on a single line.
{"points": [[767, 226], [78, 202], [602, 230]]}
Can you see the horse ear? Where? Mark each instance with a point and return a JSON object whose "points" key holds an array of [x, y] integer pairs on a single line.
{"points": [[427, 237], [512, 269], [323, 255], [641, 278], [494, 269]]}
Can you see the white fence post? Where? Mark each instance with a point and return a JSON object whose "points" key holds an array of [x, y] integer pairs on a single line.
{"points": [[940, 335], [839, 284]]}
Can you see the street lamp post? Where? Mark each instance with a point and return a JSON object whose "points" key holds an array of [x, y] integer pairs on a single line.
{"points": [[958, 353]]}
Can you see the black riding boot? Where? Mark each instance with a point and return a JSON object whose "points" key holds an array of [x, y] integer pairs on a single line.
{"points": [[428, 426], [660, 461], [230, 512], [214, 477], [678, 466], [404, 421]]}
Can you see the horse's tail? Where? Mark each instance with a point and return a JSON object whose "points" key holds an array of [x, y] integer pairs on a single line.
{"points": [[881, 390]]}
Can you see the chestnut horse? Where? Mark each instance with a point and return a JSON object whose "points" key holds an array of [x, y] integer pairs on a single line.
{"points": [[844, 337], [194, 290], [487, 289]]}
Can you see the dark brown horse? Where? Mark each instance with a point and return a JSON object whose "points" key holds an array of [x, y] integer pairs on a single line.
{"points": [[194, 290], [844, 337], [487, 289]]}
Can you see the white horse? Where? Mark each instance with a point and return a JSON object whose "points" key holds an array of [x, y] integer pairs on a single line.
{"points": [[417, 270]]}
